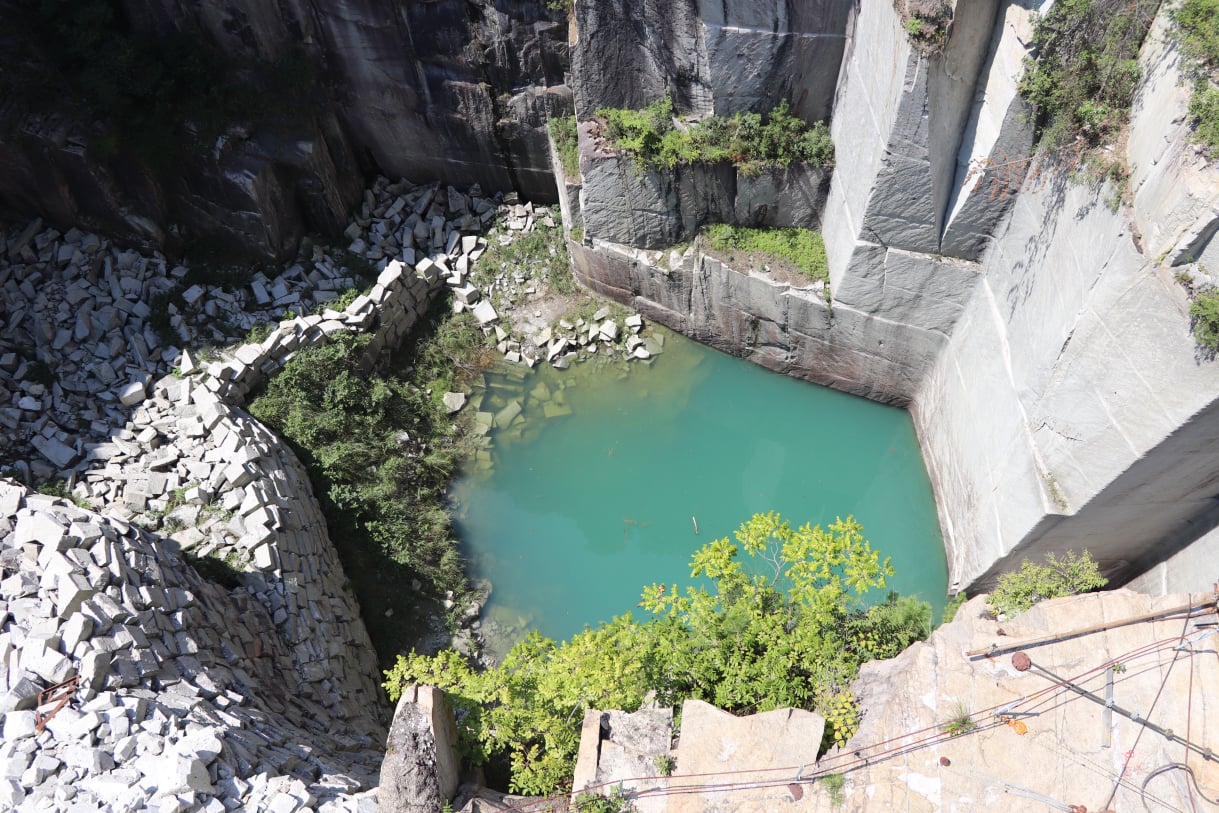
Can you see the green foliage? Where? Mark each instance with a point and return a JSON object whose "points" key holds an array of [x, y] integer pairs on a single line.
{"points": [[383, 496], [664, 764], [565, 6], [804, 248], [258, 333], [928, 28], [58, 488], [1204, 116], [616, 802], [567, 142], [1066, 576], [1083, 76], [745, 139], [345, 299], [773, 630], [961, 722], [1197, 29], [1204, 319], [885, 630], [833, 784]]}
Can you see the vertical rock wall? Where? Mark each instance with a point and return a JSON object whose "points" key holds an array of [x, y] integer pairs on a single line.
{"points": [[449, 89], [709, 56], [1072, 407], [652, 208]]}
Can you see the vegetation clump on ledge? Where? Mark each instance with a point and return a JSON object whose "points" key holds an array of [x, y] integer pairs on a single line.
{"points": [[1204, 319], [749, 141], [782, 629], [1066, 576], [926, 23], [803, 248], [566, 141], [1197, 27]]}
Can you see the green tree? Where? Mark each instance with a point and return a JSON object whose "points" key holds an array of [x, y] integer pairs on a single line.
{"points": [[763, 631]]}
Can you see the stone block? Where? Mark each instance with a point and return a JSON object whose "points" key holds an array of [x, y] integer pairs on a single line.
{"points": [[38, 527], [22, 694], [53, 450], [18, 725], [132, 393], [73, 590]]}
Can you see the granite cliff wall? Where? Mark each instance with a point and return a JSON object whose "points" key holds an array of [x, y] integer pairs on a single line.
{"points": [[452, 90]]}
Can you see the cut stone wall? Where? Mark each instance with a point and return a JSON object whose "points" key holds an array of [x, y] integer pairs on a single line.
{"points": [[784, 327], [1176, 190], [622, 202], [444, 90]]}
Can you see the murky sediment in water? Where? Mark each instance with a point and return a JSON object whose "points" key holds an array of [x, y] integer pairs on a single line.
{"points": [[609, 475]]}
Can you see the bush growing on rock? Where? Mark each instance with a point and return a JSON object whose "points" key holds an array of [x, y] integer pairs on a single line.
{"points": [[1067, 576], [1082, 77], [566, 141], [781, 627], [747, 140], [1204, 318], [1196, 25], [1204, 116]]}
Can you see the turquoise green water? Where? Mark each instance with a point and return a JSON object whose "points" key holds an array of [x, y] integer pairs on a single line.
{"points": [[595, 489]]}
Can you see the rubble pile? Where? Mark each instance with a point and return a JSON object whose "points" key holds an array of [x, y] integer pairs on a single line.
{"points": [[180, 694]]}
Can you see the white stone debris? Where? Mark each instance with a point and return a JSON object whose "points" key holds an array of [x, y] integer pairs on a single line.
{"points": [[188, 695]]}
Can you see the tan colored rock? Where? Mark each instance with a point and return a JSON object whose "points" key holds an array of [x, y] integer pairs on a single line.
{"points": [[1071, 752]]}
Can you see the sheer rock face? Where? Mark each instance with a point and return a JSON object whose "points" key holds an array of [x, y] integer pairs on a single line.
{"points": [[710, 56], [439, 90]]}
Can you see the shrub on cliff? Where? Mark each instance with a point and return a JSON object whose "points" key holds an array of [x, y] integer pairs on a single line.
{"points": [[748, 140], [1082, 76], [781, 628], [1204, 318], [1066, 576], [1196, 24], [1204, 117], [1197, 27]]}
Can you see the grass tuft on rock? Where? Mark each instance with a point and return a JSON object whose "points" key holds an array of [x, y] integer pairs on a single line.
{"points": [[804, 248]]}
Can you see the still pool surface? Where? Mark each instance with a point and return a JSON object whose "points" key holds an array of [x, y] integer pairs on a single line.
{"points": [[594, 490]]}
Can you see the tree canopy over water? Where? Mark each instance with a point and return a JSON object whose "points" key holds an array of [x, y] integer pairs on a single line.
{"points": [[781, 626]]}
